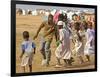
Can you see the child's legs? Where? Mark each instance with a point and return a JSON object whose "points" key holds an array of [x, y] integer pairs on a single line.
{"points": [[69, 61], [58, 61], [30, 62], [24, 61], [81, 59], [30, 68], [42, 50], [65, 61], [88, 57], [23, 69]]}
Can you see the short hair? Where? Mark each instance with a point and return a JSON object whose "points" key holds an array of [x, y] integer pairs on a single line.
{"points": [[50, 15], [61, 17], [77, 26], [89, 22], [25, 34]]}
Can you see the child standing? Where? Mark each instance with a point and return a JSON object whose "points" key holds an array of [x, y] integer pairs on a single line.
{"points": [[28, 50]]}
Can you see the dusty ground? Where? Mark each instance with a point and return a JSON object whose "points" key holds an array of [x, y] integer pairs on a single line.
{"points": [[31, 24]]}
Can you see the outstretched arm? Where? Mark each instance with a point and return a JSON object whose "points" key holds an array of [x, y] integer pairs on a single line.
{"points": [[50, 31], [41, 26]]}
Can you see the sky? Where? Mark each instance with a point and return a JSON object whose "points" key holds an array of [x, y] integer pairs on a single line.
{"points": [[33, 7]]}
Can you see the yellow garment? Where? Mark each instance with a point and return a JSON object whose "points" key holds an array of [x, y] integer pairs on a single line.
{"points": [[48, 29]]}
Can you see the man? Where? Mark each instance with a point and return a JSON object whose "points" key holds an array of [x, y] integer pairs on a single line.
{"points": [[48, 36]]}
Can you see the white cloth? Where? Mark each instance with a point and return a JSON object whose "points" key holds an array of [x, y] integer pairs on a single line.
{"points": [[89, 46], [79, 48], [60, 23], [27, 58], [79, 45], [63, 50], [66, 26]]}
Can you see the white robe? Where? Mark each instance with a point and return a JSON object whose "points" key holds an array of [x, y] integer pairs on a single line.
{"points": [[89, 49], [79, 45], [63, 50]]}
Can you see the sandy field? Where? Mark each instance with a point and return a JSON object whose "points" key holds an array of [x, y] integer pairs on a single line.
{"points": [[31, 24]]}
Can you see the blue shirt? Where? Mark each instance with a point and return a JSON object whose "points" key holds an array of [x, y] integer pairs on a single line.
{"points": [[28, 46]]}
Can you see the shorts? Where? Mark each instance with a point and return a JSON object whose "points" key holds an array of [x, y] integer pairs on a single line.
{"points": [[27, 59]]}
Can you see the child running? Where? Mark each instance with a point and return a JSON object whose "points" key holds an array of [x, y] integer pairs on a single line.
{"points": [[79, 46], [63, 50], [89, 46]]}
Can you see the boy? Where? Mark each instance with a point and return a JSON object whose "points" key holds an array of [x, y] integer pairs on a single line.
{"points": [[63, 50], [79, 45], [90, 41], [28, 50]]}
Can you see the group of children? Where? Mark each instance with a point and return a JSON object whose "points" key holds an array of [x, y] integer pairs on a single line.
{"points": [[63, 33]]}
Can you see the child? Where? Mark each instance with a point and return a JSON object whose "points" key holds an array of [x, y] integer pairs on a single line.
{"points": [[28, 50], [63, 49], [79, 47], [89, 46]]}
